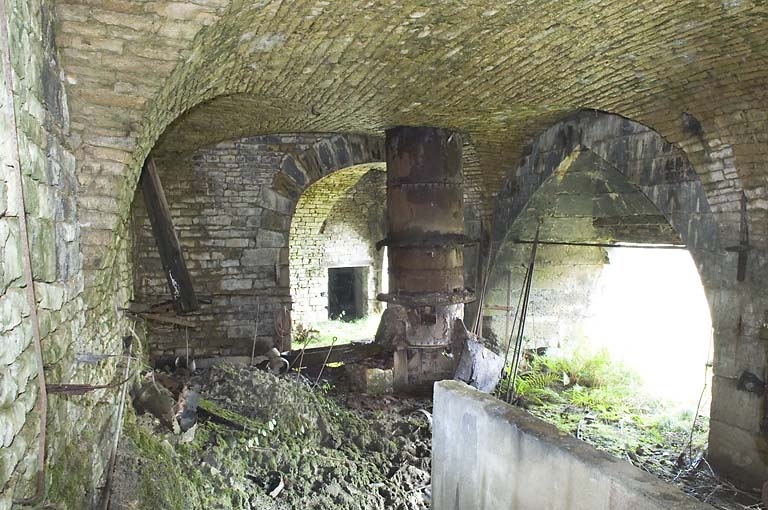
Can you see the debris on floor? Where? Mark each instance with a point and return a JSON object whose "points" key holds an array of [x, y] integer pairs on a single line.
{"points": [[266, 442], [478, 366]]}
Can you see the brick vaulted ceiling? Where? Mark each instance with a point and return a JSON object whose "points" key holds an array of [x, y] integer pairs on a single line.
{"points": [[497, 71]]}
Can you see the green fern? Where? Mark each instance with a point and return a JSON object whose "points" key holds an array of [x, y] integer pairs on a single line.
{"points": [[536, 384]]}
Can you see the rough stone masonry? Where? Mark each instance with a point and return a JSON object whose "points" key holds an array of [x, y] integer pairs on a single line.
{"points": [[98, 85]]}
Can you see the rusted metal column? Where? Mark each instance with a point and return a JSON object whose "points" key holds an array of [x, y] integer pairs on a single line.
{"points": [[425, 216]]}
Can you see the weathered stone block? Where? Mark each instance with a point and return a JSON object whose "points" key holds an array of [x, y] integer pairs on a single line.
{"points": [[370, 380], [233, 284], [738, 453], [271, 239], [50, 296], [276, 202]]}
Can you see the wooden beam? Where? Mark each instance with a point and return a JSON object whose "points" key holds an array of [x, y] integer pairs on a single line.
{"points": [[167, 319], [179, 281], [315, 357]]}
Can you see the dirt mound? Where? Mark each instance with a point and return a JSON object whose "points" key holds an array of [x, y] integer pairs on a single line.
{"points": [[282, 444]]}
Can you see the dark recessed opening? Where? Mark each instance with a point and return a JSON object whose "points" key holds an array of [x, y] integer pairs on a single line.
{"points": [[346, 293]]}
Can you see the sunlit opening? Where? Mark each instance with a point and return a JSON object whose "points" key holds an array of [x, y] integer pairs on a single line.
{"points": [[648, 309]]}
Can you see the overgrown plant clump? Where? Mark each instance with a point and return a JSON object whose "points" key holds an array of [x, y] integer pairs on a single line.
{"points": [[597, 399], [583, 390], [590, 380]]}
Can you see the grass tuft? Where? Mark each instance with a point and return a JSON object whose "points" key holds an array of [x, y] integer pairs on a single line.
{"points": [[321, 334]]}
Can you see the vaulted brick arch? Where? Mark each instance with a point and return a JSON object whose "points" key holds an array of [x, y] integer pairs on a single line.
{"points": [[337, 223], [100, 82], [233, 205], [663, 172], [322, 69]]}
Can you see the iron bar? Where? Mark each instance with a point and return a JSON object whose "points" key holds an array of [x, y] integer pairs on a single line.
{"points": [[521, 323], [606, 245]]}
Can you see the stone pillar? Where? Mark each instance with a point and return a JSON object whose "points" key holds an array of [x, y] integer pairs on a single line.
{"points": [[425, 216]]}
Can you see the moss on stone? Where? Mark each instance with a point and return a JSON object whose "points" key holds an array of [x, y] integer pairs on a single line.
{"points": [[160, 481], [72, 475]]}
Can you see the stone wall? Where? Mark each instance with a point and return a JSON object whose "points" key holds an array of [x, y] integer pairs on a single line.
{"points": [[563, 282], [232, 205], [487, 454], [708, 222], [79, 428], [565, 275], [337, 223]]}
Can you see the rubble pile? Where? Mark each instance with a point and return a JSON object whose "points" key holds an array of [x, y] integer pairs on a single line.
{"points": [[278, 442]]}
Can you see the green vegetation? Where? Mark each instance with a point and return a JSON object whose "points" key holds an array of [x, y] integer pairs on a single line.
{"points": [[590, 395], [321, 334]]}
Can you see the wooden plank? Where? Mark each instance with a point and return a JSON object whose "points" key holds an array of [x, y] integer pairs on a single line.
{"points": [[498, 307], [179, 281], [167, 319], [349, 353]]}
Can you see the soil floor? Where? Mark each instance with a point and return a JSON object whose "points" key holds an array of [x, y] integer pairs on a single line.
{"points": [[290, 443]]}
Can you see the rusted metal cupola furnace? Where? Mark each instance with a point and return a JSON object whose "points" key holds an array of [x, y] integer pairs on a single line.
{"points": [[425, 217]]}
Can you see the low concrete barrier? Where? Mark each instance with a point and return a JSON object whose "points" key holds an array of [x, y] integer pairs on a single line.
{"points": [[488, 455]]}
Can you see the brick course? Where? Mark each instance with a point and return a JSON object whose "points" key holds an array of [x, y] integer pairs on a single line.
{"points": [[234, 206]]}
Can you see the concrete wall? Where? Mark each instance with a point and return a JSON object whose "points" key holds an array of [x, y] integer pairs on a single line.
{"points": [[488, 455], [233, 206], [79, 428]]}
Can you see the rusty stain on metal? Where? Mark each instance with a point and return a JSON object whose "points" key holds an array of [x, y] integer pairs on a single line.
{"points": [[425, 204], [426, 219]]}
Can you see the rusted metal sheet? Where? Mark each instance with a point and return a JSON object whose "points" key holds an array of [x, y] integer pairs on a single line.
{"points": [[425, 207]]}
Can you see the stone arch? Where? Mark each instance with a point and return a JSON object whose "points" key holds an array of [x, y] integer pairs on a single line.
{"points": [[646, 159], [660, 171], [232, 204], [658, 168], [292, 78], [697, 211], [337, 222]]}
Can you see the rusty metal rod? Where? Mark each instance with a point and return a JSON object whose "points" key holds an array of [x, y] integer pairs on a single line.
{"points": [[606, 245], [523, 313], [106, 497], [317, 381], [42, 397]]}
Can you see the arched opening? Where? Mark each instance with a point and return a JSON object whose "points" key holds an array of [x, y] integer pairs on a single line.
{"points": [[232, 206], [617, 215], [336, 271], [611, 276]]}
